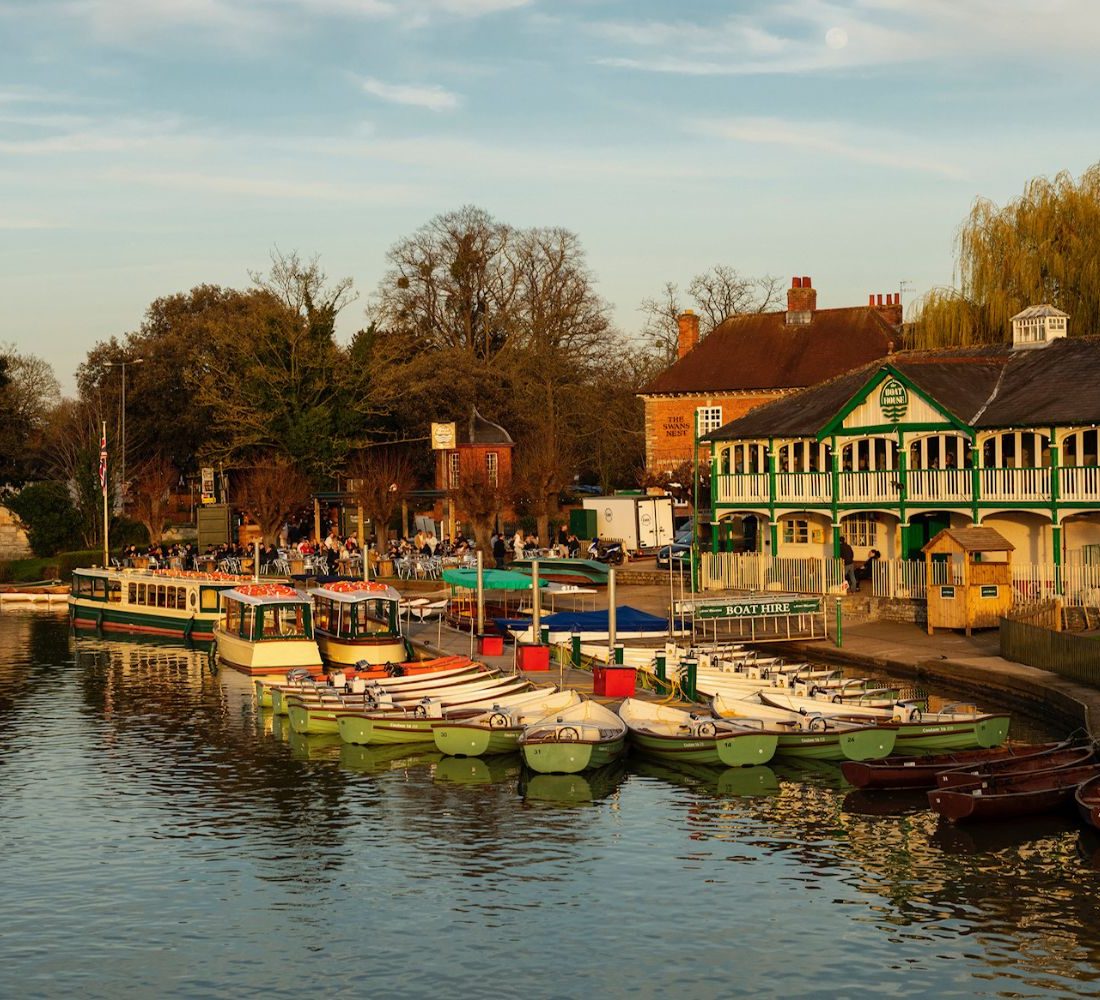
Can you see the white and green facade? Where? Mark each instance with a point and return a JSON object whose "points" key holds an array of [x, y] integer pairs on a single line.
{"points": [[1004, 436]]}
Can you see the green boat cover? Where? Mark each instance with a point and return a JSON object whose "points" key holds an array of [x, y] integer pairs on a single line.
{"points": [[492, 579]]}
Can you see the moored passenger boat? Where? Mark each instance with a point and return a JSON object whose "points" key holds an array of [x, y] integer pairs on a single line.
{"points": [[266, 628], [175, 603], [357, 621]]}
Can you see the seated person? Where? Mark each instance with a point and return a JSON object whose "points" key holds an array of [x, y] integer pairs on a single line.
{"points": [[866, 571]]}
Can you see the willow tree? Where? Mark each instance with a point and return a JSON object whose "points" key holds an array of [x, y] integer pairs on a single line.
{"points": [[1041, 247]]}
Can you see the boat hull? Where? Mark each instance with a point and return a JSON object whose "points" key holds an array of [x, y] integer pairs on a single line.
{"points": [[343, 652], [1010, 797], [571, 756], [969, 734], [457, 740], [275, 656], [901, 773], [865, 743]]}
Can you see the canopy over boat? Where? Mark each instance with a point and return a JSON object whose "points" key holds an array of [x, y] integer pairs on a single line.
{"points": [[492, 579], [627, 619], [352, 591], [266, 593]]}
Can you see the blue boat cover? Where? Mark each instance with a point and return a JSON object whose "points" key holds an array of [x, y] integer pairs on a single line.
{"points": [[627, 619]]}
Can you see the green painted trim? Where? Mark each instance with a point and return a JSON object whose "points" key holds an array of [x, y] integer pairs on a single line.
{"points": [[836, 539], [834, 426], [873, 429], [834, 460], [773, 528]]}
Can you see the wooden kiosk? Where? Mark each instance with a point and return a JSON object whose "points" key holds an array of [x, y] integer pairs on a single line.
{"points": [[976, 589]]}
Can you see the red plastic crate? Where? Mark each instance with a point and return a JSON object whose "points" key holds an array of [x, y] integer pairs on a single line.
{"points": [[490, 645], [613, 681], [533, 656]]}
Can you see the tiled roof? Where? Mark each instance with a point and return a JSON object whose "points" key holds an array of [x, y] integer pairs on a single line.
{"points": [[988, 385], [761, 351], [974, 540], [478, 430]]}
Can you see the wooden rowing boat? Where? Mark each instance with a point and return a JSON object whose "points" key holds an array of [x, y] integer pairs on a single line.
{"points": [[1088, 802], [1011, 796], [583, 737], [1059, 757], [898, 773], [672, 733]]}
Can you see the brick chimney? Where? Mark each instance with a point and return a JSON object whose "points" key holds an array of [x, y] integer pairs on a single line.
{"points": [[689, 331], [890, 310], [801, 301]]}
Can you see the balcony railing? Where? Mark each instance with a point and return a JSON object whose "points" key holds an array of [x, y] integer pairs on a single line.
{"points": [[1015, 484], [923, 486], [870, 487], [804, 487], [752, 487], [940, 485], [1081, 482]]}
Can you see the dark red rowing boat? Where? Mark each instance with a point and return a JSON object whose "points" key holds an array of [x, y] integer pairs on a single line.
{"points": [[1088, 802], [1010, 796], [1065, 756], [897, 773]]}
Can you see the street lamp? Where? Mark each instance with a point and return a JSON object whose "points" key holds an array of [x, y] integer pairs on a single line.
{"points": [[122, 365]]}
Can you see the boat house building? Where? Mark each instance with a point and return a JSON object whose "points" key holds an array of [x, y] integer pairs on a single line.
{"points": [[890, 453], [756, 358]]}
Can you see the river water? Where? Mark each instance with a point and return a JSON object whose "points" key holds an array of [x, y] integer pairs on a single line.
{"points": [[162, 839]]}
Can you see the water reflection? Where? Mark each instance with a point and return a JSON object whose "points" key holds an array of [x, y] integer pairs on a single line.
{"points": [[194, 846]]}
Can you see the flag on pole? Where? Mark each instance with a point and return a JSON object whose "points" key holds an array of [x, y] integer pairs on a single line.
{"points": [[103, 461]]}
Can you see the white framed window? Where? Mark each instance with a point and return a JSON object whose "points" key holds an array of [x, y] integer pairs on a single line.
{"points": [[455, 466], [796, 531], [709, 418], [492, 466], [860, 530]]}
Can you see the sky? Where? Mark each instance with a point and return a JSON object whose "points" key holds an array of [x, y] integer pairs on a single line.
{"points": [[147, 146]]}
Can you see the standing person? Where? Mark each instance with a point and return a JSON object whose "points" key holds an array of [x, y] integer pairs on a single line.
{"points": [[499, 550], [563, 541], [517, 544], [848, 557]]}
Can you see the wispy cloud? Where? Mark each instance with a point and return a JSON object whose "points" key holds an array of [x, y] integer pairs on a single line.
{"points": [[432, 97], [10, 223], [830, 139], [805, 36]]}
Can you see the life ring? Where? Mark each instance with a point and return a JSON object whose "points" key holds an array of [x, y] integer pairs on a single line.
{"points": [[818, 724], [568, 734], [498, 720]]}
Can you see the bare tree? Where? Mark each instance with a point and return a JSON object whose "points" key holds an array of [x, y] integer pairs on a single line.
{"points": [[715, 295], [151, 487], [381, 477], [480, 502], [71, 453], [270, 492]]}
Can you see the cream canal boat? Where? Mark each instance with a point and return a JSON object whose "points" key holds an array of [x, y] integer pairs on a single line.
{"points": [[357, 621], [266, 628], [173, 603]]}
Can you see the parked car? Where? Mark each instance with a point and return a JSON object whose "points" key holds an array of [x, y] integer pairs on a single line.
{"points": [[678, 552]]}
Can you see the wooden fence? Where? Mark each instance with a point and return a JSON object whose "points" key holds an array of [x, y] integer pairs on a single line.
{"points": [[1075, 657], [757, 572]]}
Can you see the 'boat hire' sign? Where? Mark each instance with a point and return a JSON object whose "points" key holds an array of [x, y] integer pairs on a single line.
{"points": [[758, 609]]}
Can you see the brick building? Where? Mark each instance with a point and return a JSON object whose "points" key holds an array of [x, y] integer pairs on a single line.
{"points": [[756, 358]]}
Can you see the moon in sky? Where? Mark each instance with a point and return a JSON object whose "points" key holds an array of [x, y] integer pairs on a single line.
{"points": [[836, 38]]}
